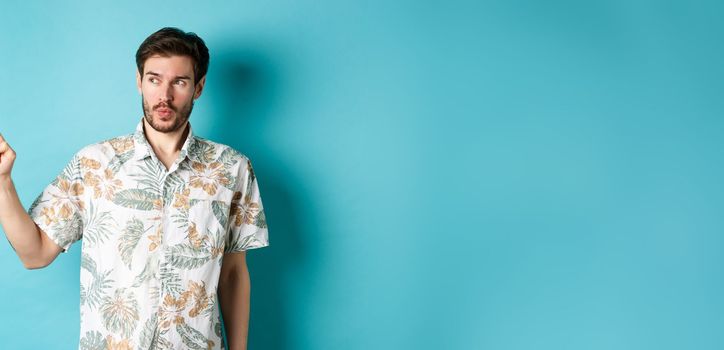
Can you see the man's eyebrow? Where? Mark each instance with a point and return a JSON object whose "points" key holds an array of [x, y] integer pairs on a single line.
{"points": [[182, 77]]}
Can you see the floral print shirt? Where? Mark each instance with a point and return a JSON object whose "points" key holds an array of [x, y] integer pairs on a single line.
{"points": [[153, 238]]}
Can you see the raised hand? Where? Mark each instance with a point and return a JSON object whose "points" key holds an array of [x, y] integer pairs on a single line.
{"points": [[7, 158]]}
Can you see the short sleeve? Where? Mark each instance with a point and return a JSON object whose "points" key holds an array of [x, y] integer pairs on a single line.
{"points": [[247, 227], [58, 210]]}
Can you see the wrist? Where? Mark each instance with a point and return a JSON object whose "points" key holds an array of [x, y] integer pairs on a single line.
{"points": [[5, 181]]}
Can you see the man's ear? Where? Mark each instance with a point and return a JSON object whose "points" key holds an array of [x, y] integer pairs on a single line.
{"points": [[138, 82], [199, 87]]}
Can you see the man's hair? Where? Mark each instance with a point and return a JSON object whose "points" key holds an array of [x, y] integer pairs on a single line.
{"points": [[170, 41]]}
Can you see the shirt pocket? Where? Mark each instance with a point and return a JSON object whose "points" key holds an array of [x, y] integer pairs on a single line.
{"points": [[208, 222]]}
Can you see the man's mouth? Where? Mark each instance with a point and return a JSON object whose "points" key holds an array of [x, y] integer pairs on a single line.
{"points": [[164, 111]]}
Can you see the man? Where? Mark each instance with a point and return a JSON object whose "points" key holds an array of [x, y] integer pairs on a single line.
{"points": [[165, 217]]}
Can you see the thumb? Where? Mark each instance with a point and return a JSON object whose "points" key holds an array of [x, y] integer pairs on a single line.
{"points": [[6, 153]]}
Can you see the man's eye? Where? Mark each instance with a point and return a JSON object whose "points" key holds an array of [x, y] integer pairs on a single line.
{"points": [[153, 80], [180, 83]]}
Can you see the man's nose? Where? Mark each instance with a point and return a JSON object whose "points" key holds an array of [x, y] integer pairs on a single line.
{"points": [[167, 93]]}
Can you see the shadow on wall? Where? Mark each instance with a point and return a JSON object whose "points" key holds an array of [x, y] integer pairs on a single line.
{"points": [[243, 106]]}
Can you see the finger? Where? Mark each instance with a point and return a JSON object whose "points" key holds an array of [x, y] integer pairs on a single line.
{"points": [[4, 147], [2, 138]]}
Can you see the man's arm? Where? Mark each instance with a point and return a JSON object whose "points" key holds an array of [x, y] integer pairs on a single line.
{"points": [[34, 248], [234, 291]]}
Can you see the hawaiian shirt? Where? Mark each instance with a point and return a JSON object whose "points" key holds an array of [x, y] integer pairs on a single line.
{"points": [[153, 238]]}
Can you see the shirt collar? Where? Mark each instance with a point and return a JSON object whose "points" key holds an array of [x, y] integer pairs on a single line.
{"points": [[143, 148]]}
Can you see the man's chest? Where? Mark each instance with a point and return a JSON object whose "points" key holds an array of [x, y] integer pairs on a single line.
{"points": [[138, 213]]}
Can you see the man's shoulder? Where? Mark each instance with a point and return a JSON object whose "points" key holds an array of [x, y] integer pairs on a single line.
{"points": [[108, 148], [211, 151]]}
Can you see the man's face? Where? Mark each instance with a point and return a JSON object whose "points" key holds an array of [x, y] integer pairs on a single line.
{"points": [[168, 92]]}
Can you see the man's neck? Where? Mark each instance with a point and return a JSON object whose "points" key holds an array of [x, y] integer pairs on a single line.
{"points": [[165, 144]]}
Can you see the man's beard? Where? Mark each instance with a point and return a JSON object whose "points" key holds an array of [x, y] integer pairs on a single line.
{"points": [[181, 116]]}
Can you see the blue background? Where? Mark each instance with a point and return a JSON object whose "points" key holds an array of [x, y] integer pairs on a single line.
{"points": [[436, 175]]}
